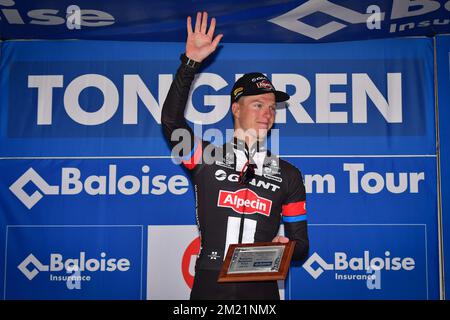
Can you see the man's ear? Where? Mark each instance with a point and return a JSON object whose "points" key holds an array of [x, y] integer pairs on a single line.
{"points": [[235, 109]]}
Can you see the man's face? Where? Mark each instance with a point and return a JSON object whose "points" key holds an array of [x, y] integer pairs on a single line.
{"points": [[255, 114]]}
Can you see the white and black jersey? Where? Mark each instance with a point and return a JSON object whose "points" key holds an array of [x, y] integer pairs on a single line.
{"points": [[230, 212]]}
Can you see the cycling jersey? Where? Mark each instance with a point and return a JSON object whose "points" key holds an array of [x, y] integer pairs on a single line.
{"points": [[228, 212]]}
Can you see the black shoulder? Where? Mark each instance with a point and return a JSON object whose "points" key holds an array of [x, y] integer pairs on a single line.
{"points": [[288, 168], [293, 183]]}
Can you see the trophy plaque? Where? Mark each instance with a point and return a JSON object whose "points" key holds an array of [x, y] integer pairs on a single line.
{"points": [[261, 261]]}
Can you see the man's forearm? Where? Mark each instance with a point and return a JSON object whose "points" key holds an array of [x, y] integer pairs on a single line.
{"points": [[298, 231], [172, 115]]}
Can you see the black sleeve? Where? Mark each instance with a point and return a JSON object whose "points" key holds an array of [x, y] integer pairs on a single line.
{"points": [[294, 215], [172, 115]]}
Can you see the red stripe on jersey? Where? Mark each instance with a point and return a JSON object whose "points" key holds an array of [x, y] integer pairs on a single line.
{"points": [[294, 209], [196, 157]]}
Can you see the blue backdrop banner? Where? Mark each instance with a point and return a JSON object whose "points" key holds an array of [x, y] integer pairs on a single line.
{"points": [[443, 63], [84, 167], [97, 95], [288, 21]]}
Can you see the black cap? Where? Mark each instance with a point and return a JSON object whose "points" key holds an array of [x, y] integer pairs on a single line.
{"points": [[251, 84]]}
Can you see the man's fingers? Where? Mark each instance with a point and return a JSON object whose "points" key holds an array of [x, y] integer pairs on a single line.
{"points": [[281, 239], [212, 27], [204, 22], [189, 25], [216, 41], [198, 22]]}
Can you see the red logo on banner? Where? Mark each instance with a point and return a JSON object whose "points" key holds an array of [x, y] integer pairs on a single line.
{"points": [[188, 261], [244, 201]]}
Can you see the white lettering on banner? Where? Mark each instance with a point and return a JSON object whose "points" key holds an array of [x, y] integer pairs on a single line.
{"points": [[45, 85], [391, 108], [406, 181], [365, 263], [57, 263], [411, 8], [31, 266], [73, 184], [295, 107], [324, 101], [134, 87], [104, 113], [422, 24], [319, 181], [363, 87], [378, 263], [128, 185], [53, 17], [401, 9], [221, 103]]}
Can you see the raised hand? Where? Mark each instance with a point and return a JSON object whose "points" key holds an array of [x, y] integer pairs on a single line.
{"points": [[200, 44]]}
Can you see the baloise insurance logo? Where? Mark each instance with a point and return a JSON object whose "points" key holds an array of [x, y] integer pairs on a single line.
{"points": [[394, 17], [72, 16], [360, 268], [73, 183], [71, 270]]}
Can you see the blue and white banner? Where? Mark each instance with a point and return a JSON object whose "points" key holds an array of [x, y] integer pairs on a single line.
{"points": [[73, 262], [84, 164], [388, 261], [55, 93], [295, 21], [378, 211], [443, 62]]}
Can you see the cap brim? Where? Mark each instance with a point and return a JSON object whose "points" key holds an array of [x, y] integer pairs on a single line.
{"points": [[281, 96]]}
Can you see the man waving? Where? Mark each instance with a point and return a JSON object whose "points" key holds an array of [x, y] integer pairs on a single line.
{"points": [[243, 192]]}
